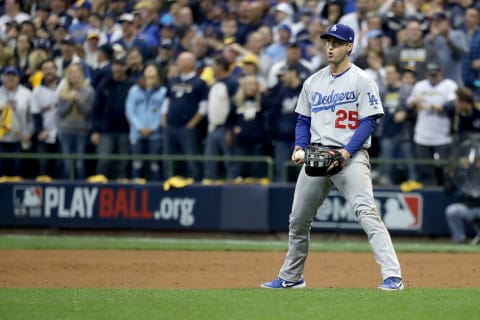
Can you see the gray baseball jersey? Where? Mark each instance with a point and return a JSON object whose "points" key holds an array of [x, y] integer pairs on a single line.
{"points": [[337, 103]]}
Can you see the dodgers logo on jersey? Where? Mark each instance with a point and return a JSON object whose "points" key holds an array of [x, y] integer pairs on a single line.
{"points": [[330, 102], [372, 100]]}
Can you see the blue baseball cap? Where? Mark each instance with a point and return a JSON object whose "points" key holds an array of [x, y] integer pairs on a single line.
{"points": [[341, 32], [11, 71]]}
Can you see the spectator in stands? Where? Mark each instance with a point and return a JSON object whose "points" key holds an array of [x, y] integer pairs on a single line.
{"points": [[104, 65], [432, 129], [34, 72], [165, 57], [313, 45], [250, 67], [414, 53], [90, 49], [465, 114], [375, 40], [111, 30], [110, 127], [57, 8], [22, 50], [472, 22], [68, 56], [294, 57], [218, 110], [462, 178], [13, 12], [395, 21], [135, 64], [150, 30], [130, 35], [396, 127], [229, 28], [449, 44], [118, 7], [471, 64], [277, 51], [332, 11], [75, 105], [375, 69], [284, 16], [247, 136], [6, 56], [44, 111], [466, 129], [183, 111], [283, 119], [358, 21], [250, 18], [458, 11], [143, 110], [15, 129], [79, 28]]}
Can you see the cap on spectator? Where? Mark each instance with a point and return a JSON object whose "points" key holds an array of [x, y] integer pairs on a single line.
{"points": [[410, 68], [250, 59], [11, 71], [433, 67], [68, 40], [107, 50], [119, 51], [167, 44], [43, 6], [374, 33], [82, 4], [285, 8], [438, 16], [11, 23], [146, 4], [93, 34], [285, 28], [126, 17], [341, 32], [306, 11], [288, 67]]}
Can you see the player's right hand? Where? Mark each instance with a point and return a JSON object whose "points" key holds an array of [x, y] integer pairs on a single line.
{"points": [[298, 155]]}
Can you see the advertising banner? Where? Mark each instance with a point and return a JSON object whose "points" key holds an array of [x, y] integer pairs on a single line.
{"points": [[109, 206]]}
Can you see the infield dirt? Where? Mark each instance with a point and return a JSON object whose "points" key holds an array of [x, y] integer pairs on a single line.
{"points": [[194, 269]]}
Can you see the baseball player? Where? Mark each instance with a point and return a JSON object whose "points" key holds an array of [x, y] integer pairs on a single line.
{"points": [[338, 110]]}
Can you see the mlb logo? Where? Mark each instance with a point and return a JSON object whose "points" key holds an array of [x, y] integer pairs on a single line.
{"points": [[403, 212], [27, 197]]}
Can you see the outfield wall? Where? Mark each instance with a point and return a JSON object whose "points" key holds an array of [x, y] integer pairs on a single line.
{"points": [[238, 208]]}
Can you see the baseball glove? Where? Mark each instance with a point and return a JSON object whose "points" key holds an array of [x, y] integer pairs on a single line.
{"points": [[322, 161]]}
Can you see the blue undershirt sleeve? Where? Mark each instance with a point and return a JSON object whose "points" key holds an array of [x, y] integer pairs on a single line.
{"points": [[365, 129], [302, 131]]}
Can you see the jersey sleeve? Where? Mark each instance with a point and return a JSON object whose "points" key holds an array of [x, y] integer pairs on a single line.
{"points": [[369, 102], [303, 104]]}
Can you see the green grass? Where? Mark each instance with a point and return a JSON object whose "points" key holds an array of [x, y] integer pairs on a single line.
{"points": [[142, 243], [245, 304], [242, 304]]}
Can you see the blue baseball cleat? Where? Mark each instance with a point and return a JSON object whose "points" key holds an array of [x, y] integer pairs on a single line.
{"points": [[391, 284], [283, 284]]}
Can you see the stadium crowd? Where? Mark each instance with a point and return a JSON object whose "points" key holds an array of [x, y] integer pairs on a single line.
{"points": [[221, 78]]}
